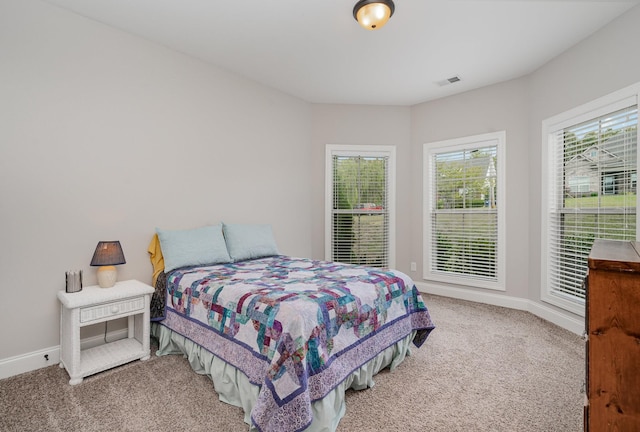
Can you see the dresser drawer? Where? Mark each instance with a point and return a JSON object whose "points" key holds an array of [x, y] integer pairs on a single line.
{"points": [[95, 313]]}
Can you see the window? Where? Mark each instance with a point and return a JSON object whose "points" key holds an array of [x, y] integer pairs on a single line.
{"points": [[464, 211], [359, 226], [590, 155]]}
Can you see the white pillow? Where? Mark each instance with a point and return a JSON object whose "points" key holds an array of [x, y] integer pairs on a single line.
{"points": [[248, 241], [198, 246]]}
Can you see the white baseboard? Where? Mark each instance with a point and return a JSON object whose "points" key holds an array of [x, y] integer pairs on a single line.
{"points": [[50, 356], [30, 361], [575, 325]]}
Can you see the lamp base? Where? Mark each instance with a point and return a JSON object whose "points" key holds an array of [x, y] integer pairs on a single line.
{"points": [[107, 276]]}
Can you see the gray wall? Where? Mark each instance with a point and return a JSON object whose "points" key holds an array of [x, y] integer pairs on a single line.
{"points": [[595, 67], [105, 136], [363, 125], [489, 109], [605, 62]]}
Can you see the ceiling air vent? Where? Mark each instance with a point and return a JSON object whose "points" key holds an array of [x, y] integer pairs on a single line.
{"points": [[453, 79]]}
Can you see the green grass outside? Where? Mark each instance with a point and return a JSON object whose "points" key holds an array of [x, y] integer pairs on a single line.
{"points": [[627, 200]]}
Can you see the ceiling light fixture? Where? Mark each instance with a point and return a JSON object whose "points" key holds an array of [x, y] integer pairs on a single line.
{"points": [[373, 14]]}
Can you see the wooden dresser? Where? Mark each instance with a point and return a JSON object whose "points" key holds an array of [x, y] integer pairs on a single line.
{"points": [[613, 337]]}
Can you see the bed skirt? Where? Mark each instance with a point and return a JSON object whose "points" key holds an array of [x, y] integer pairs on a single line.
{"points": [[234, 388]]}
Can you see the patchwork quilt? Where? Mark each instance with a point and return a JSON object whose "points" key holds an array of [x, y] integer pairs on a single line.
{"points": [[296, 327]]}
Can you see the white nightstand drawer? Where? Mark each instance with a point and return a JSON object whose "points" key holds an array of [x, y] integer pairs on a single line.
{"points": [[105, 310]]}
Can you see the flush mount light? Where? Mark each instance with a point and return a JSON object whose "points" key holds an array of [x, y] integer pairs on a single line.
{"points": [[373, 14]]}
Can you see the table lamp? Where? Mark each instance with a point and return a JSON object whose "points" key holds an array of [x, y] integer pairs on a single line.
{"points": [[108, 254]]}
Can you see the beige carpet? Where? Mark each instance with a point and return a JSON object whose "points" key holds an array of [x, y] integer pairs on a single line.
{"points": [[484, 368]]}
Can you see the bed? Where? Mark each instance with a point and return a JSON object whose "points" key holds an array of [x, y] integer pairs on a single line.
{"points": [[281, 337]]}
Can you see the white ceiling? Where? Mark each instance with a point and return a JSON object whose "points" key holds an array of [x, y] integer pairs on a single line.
{"points": [[315, 50]]}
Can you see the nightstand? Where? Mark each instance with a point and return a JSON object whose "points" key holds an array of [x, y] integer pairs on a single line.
{"points": [[94, 305]]}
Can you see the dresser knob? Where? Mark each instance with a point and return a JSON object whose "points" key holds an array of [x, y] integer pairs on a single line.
{"points": [[115, 310]]}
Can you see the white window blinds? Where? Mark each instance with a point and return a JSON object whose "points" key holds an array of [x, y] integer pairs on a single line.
{"points": [[592, 193], [360, 210], [463, 216]]}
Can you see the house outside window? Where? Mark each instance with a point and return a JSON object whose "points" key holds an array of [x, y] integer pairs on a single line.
{"points": [[589, 190], [464, 202]]}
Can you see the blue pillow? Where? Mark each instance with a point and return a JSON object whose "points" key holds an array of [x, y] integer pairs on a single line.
{"points": [[198, 246], [248, 241]]}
